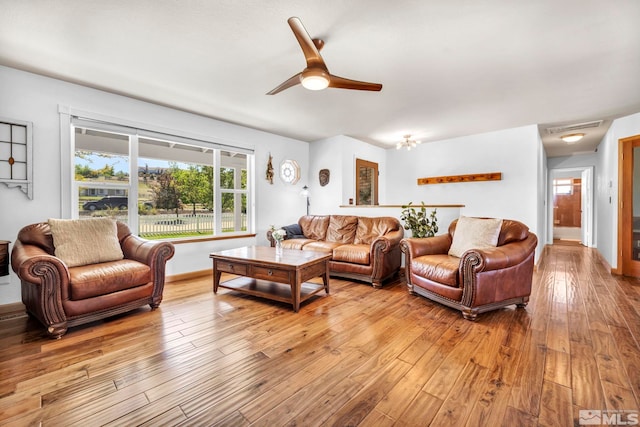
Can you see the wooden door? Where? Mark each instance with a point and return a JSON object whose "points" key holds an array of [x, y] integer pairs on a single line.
{"points": [[366, 182], [629, 206]]}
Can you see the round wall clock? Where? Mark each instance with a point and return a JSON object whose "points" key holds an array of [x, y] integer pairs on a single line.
{"points": [[289, 171]]}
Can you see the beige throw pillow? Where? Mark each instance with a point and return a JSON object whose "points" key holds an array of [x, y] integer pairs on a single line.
{"points": [[475, 233], [85, 241]]}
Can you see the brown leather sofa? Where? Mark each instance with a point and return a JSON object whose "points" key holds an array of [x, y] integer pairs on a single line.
{"points": [[481, 279], [363, 248], [61, 297]]}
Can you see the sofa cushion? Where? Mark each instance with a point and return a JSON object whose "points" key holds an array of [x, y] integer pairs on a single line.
{"points": [[438, 268], [370, 229], [357, 254], [314, 227], [295, 243], [342, 228], [475, 233], [319, 245], [85, 241], [105, 278]]}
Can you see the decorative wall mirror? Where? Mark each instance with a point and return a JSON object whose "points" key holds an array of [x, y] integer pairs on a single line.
{"points": [[289, 171], [16, 155]]}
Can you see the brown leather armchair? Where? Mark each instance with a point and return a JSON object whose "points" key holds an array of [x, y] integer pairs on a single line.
{"points": [[61, 297], [480, 280]]}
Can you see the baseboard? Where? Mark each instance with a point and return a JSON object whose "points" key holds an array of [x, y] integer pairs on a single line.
{"points": [[188, 276], [9, 311]]}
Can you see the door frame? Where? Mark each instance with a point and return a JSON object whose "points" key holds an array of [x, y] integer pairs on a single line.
{"points": [[627, 267], [587, 211]]}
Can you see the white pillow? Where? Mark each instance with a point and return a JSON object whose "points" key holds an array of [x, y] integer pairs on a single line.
{"points": [[475, 233], [85, 241]]}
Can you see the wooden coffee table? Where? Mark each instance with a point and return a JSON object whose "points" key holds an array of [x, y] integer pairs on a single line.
{"points": [[277, 277]]}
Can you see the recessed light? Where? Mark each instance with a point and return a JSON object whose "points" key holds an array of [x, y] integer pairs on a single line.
{"points": [[572, 138]]}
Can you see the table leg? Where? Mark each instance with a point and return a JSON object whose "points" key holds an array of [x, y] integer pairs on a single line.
{"points": [[325, 278], [216, 280], [295, 293]]}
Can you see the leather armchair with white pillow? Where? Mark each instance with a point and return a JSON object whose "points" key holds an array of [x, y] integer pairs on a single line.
{"points": [[127, 275], [480, 279]]}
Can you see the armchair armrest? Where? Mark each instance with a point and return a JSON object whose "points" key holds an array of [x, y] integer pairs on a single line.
{"points": [[500, 257], [146, 251], [34, 265], [418, 246]]}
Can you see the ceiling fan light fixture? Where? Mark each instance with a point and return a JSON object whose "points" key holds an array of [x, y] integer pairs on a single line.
{"points": [[572, 138], [314, 79]]}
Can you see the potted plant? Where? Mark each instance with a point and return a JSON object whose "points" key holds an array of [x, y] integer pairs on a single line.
{"points": [[418, 221]]}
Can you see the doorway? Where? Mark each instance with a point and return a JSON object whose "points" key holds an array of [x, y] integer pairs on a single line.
{"points": [[571, 206], [629, 206]]}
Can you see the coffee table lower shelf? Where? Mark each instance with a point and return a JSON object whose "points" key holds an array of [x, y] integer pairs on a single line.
{"points": [[271, 290]]}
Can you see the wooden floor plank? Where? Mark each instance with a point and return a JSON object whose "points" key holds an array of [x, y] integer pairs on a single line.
{"points": [[359, 356]]}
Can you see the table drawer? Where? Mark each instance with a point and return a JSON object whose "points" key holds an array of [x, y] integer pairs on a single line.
{"points": [[274, 274], [233, 268]]}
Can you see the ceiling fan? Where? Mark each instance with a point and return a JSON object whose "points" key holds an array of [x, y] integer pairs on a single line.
{"points": [[316, 76]]}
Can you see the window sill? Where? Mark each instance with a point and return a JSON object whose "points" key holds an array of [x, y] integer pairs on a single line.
{"points": [[209, 238]]}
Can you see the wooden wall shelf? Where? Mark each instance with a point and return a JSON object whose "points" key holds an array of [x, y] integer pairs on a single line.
{"points": [[492, 176]]}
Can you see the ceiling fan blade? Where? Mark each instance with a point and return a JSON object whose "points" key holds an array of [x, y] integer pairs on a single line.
{"points": [[311, 52], [342, 83], [291, 81]]}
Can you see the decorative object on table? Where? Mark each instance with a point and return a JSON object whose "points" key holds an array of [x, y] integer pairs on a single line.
{"points": [[420, 224], [305, 193], [278, 235], [289, 171], [270, 172], [491, 176], [16, 154], [324, 176], [408, 143]]}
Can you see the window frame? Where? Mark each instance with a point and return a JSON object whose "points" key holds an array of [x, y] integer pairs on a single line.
{"points": [[70, 120]]}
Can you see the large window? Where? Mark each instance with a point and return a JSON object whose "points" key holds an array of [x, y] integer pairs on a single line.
{"points": [[162, 186]]}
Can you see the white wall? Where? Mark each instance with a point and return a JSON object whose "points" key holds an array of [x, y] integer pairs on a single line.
{"points": [[514, 152], [606, 185], [29, 97], [517, 153]]}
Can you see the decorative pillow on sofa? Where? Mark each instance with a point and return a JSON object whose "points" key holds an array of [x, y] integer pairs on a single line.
{"points": [[85, 241], [475, 233]]}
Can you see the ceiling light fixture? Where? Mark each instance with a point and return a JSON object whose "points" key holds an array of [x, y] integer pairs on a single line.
{"points": [[314, 79], [409, 143], [571, 138]]}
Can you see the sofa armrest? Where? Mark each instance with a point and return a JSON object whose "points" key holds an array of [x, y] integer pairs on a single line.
{"points": [[415, 247], [388, 241], [500, 257]]}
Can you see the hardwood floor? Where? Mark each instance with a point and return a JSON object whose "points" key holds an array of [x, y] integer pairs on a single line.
{"points": [[359, 356]]}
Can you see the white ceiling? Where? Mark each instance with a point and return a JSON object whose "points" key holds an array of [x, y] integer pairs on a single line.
{"points": [[448, 68]]}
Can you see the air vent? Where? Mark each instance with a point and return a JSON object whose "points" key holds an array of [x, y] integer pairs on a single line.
{"points": [[573, 128]]}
